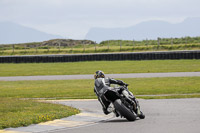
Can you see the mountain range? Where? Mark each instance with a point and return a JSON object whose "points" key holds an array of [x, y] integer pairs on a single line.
{"points": [[14, 33], [147, 30]]}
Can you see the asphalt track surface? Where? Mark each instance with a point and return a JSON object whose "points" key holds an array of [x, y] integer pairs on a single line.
{"points": [[162, 116], [128, 75]]}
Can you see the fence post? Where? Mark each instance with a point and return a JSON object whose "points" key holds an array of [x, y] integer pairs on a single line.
{"points": [[59, 46], [25, 47], [95, 47], [147, 42], [182, 40], [108, 44], [171, 41], [185, 46], [72, 47], [83, 46], [13, 47], [48, 47], [120, 45], [36, 48], [185, 40], [2, 49], [133, 44], [158, 42]]}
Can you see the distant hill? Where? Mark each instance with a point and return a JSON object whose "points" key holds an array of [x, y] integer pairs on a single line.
{"points": [[53, 42], [65, 42], [15, 33], [147, 30]]}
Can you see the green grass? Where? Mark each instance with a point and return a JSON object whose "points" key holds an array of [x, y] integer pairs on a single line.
{"points": [[84, 88], [51, 46], [158, 86], [37, 48], [29, 69], [16, 112], [100, 49], [47, 89], [170, 96]]}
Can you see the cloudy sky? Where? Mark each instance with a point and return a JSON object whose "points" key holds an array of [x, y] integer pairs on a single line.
{"points": [[73, 18]]}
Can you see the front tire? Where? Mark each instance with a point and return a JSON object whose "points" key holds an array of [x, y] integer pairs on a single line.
{"points": [[141, 116], [124, 111]]}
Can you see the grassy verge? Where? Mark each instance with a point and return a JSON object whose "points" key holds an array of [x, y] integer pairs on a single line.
{"points": [[28, 69], [84, 88], [170, 96], [16, 112], [96, 49]]}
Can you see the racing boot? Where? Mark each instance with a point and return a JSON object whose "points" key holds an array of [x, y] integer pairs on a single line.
{"points": [[109, 109], [105, 111], [138, 111], [140, 114]]}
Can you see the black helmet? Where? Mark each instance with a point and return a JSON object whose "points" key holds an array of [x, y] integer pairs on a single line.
{"points": [[99, 74]]}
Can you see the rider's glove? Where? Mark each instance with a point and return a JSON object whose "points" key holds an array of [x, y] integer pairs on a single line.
{"points": [[126, 84], [121, 88]]}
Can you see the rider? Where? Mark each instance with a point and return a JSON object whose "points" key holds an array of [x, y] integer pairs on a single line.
{"points": [[102, 84]]}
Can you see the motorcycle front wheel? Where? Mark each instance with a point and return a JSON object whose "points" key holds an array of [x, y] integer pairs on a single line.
{"points": [[124, 111]]}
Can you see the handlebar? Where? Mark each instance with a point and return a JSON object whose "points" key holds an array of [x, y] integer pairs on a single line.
{"points": [[126, 84]]}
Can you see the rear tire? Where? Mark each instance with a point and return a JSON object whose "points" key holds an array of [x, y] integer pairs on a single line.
{"points": [[124, 111]]}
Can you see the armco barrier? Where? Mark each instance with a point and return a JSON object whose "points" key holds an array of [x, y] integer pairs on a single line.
{"points": [[102, 56]]}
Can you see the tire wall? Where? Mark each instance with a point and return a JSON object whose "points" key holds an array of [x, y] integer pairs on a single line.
{"points": [[101, 57]]}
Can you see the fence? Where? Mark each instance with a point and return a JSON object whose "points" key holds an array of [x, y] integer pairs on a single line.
{"points": [[105, 46], [101, 57]]}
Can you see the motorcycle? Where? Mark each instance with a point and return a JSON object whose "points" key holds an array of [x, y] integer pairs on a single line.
{"points": [[124, 104]]}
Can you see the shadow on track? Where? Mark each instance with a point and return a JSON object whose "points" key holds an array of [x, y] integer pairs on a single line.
{"points": [[117, 120]]}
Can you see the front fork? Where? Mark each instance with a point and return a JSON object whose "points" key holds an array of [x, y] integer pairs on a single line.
{"points": [[131, 98]]}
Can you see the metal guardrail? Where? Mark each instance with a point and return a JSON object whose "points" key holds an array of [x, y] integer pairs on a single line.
{"points": [[162, 55]]}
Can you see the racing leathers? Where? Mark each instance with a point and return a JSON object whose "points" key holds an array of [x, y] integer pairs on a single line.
{"points": [[103, 84]]}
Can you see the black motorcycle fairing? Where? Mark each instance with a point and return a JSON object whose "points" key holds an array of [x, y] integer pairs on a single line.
{"points": [[111, 95]]}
